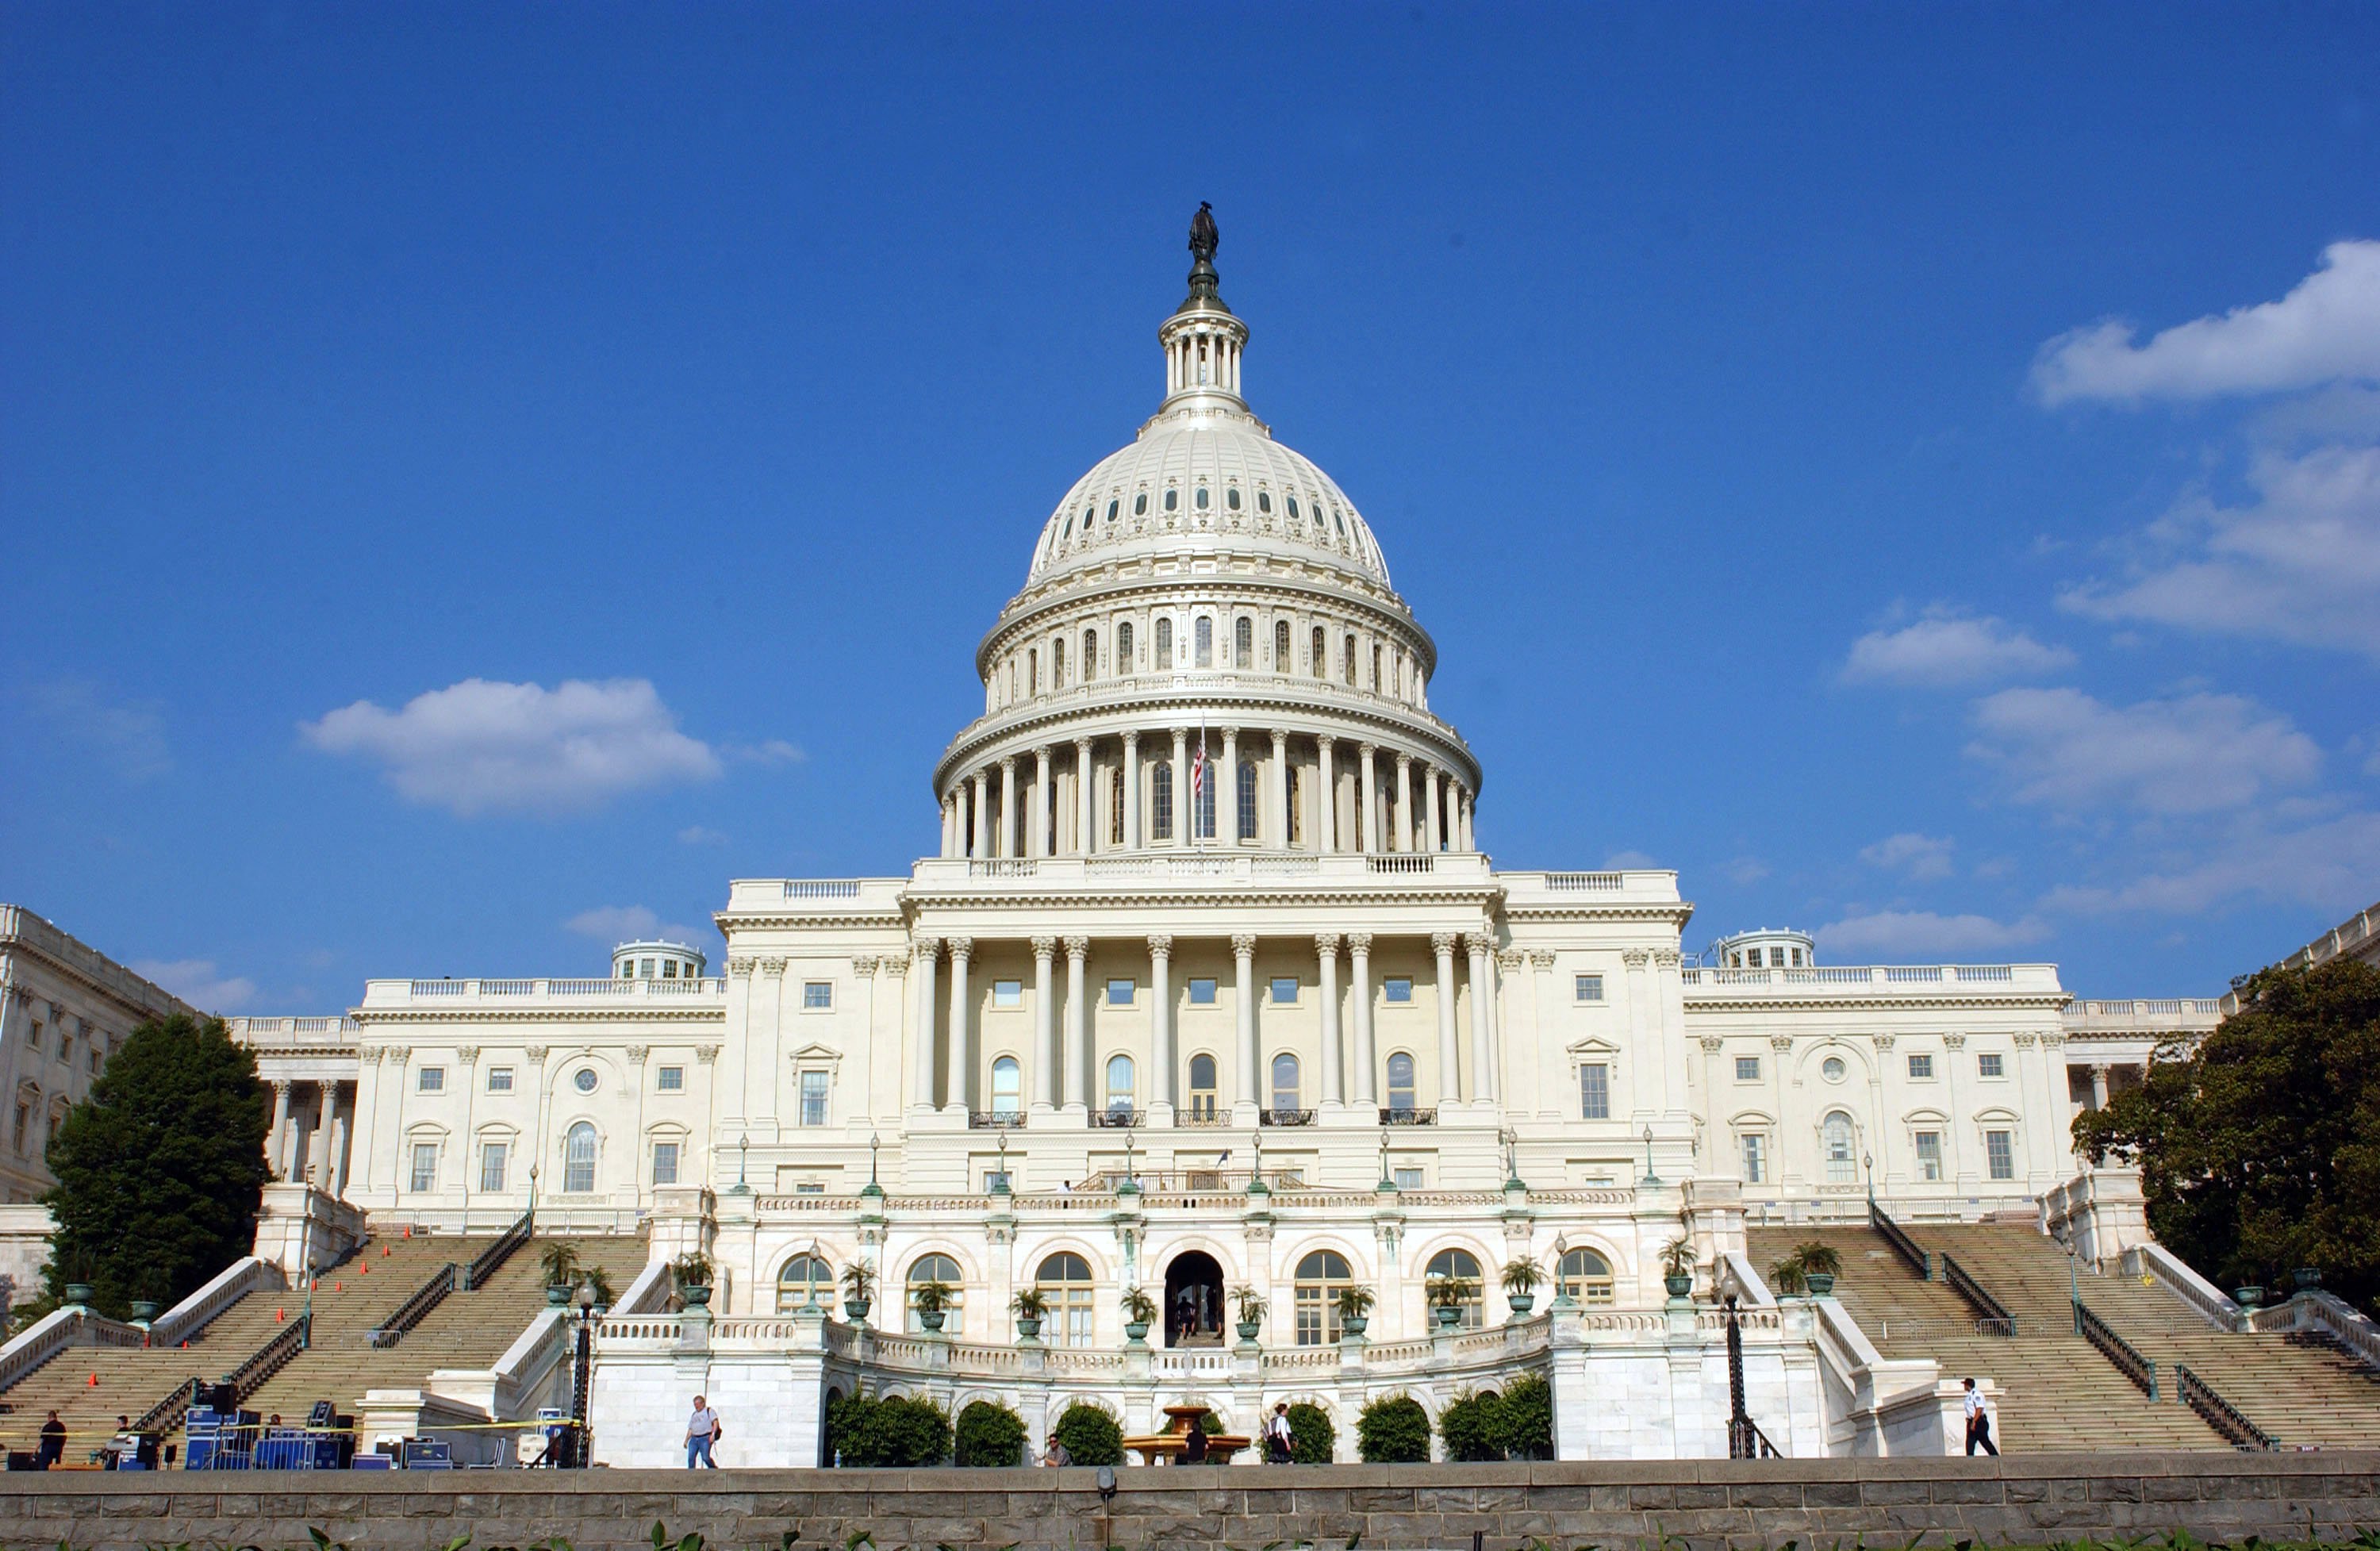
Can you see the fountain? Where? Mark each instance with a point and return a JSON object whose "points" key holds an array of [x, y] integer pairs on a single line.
{"points": [[1168, 1447]]}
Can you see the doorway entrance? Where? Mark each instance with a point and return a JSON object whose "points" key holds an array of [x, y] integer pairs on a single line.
{"points": [[1194, 1299]]}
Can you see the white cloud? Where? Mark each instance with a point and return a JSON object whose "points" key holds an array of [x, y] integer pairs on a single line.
{"points": [[614, 923], [483, 745], [2328, 865], [695, 834], [2190, 754], [1916, 854], [1746, 870], [1621, 861], [2299, 563], [197, 982], [2325, 329], [1923, 934], [127, 737], [1945, 649]]}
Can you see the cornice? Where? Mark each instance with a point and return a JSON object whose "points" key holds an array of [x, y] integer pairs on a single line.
{"points": [[1020, 616], [892, 921], [385, 1016], [1669, 913], [1480, 897], [2041, 1000]]}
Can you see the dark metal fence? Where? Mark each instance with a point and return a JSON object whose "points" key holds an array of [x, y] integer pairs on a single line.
{"points": [[2127, 1358], [1991, 1317], [410, 1312], [2221, 1414], [1903, 1245], [492, 1259]]}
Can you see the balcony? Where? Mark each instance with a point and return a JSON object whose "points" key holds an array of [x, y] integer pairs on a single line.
{"points": [[1284, 1117], [1408, 1115], [1118, 1116], [462, 994], [1819, 982], [1209, 1113], [1216, 866], [996, 1119]]}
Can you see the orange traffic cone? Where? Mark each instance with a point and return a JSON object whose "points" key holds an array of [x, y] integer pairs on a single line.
{"points": [[280, 1315], [94, 1381], [338, 1287]]}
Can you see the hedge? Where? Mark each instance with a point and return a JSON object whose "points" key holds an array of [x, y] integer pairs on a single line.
{"points": [[1312, 1439], [1090, 1436], [1393, 1430], [988, 1434], [896, 1431]]}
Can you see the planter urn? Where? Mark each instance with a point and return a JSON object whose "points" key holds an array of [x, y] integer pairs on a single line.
{"points": [[929, 1319], [1449, 1316], [2308, 1277], [1522, 1303], [1354, 1323], [1679, 1287], [1028, 1326], [145, 1312], [1135, 1330], [1820, 1283], [857, 1309], [557, 1296], [79, 1294], [697, 1296], [2248, 1297], [1249, 1329]]}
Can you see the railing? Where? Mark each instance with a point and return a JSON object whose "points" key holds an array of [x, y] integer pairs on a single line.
{"points": [[379, 993], [273, 1356], [410, 1312], [183, 1397], [1117, 1116], [1408, 1115], [821, 889], [1991, 1319], [2327, 1315], [2221, 1414], [996, 1119], [489, 1260], [1746, 1441], [1211, 1115], [1284, 1117], [1586, 882], [1902, 1244], [1418, 862], [227, 1286], [2037, 977], [2123, 1353], [56, 1332]]}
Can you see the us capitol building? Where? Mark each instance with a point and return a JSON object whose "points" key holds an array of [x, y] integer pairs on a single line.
{"points": [[1208, 984]]}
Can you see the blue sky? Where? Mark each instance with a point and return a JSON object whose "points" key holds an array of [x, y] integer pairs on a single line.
{"points": [[1914, 469]]}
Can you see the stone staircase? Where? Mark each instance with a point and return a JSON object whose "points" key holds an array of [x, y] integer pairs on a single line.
{"points": [[2056, 1391]]}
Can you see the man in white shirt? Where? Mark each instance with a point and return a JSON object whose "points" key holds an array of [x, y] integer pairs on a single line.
{"points": [[702, 1432], [1979, 1421], [1277, 1436]]}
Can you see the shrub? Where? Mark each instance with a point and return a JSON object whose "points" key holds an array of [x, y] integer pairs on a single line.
{"points": [[1090, 1435], [1312, 1439], [1393, 1430], [1526, 1422], [896, 1431], [1470, 1424], [989, 1434]]}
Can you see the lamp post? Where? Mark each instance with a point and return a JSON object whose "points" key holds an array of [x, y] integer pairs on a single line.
{"points": [[1650, 1177], [1001, 1185], [874, 1142], [743, 1153], [1386, 1181], [1867, 1161], [582, 1376]]}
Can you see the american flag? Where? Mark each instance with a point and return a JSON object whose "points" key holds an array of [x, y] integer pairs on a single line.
{"points": [[1198, 775]]}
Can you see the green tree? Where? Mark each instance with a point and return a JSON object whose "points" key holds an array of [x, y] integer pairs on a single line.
{"points": [[1090, 1435], [1393, 1430], [160, 1170], [1311, 1438], [1470, 1424], [898, 1430], [2259, 1151], [1524, 1422], [989, 1434]]}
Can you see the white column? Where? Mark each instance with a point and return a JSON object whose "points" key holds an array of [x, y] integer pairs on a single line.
{"points": [[1500, 1043], [1227, 793], [946, 826], [1133, 838], [1334, 1060], [1278, 837], [1184, 821], [1429, 811], [1402, 840], [1038, 831], [1442, 944], [340, 1148], [2098, 1086], [961, 1049], [1084, 814], [1483, 993], [1247, 1083], [1047, 1057], [1006, 844], [317, 1145], [922, 952], [1078, 948], [1469, 842], [1160, 1021], [1367, 822], [279, 1151], [1359, 958], [979, 836], [1325, 805]]}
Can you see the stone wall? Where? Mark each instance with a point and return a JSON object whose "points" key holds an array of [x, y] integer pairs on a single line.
{"points": [[2027, 1500]]}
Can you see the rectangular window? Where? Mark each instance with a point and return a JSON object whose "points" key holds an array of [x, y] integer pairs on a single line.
{"points": [[1747, 1069], [1929, 1155], [493, 1157], [1285, 990], [671, 1079], [1988, 1065], [1202, 993], [1008, 993], [34, 1038], [500, 1079], [1594, 1091], [1408, 1179], [1920, 1067], [818, 996], [668, 969], [1397, 988], [1999, 1154], [814, 1099], [430, 1079], [644, 969], [810, 1188], [1120, 993], [1754, 1160], [425, 1166], [1589, 988], [664, 1163]]}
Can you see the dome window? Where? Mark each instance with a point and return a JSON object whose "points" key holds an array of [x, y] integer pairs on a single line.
{"points": [[1231, 497], [1292, 508], [1264, 502], [1140, 504], [1173, 499], [1202, 498], [1111, 511], [1338, 517], [1070, 530]]}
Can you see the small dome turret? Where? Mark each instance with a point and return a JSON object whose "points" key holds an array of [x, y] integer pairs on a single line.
{"points": [[1764, 948], [657, 960]]}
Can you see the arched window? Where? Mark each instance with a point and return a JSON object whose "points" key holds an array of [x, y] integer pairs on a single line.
{"points": [[579, 1159], [1463, 1267], [1118, 1100], [1244, 642], [1202, 635], [1292, 508], [1284, 1081], [1123, 647], [1111, 511], [1064, 1278], [1033, 671], [1316, 1293], [1231, 497], [1318, 662], [1090, 655], [1842, 1168], [1115, 807], [1348, 662], [1202, 498], [807, 1279], [1163, 661], [1400, 1084], [1160, 788], [1202, 1087], [1281, 646], [943, 1270], [1173, 499], [1140, 504], [1005, 1085], [1584, 1277], [1247, 799], [1375, 667], [1202, 807], [1264, 502], [1058, 663]]}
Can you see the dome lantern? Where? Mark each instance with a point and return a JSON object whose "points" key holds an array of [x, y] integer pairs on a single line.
{"points": [[1203, 340]]}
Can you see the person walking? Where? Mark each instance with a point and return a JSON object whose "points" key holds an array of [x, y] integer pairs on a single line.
{"points": [[1276, 1432], [1979, 1423], [53, 1443], [702, 1432], [1055, 1454]]}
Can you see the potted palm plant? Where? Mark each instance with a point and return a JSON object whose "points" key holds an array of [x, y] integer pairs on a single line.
{"points": [[1447, 1297], [1030, 1306], [1251, 1307], [1821, 1266], [1521, 1279], [559, 1261], [859, 1288], [691, 1272], [1354, 1309], [1678, 1262], [933, 1302], [1139, 1314]]}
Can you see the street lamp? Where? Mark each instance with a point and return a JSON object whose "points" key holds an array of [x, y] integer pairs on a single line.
{"points": [[743, 1152], [1867, 1161], [1387, 1182], [1001, 1187], [1650, 1177]]}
